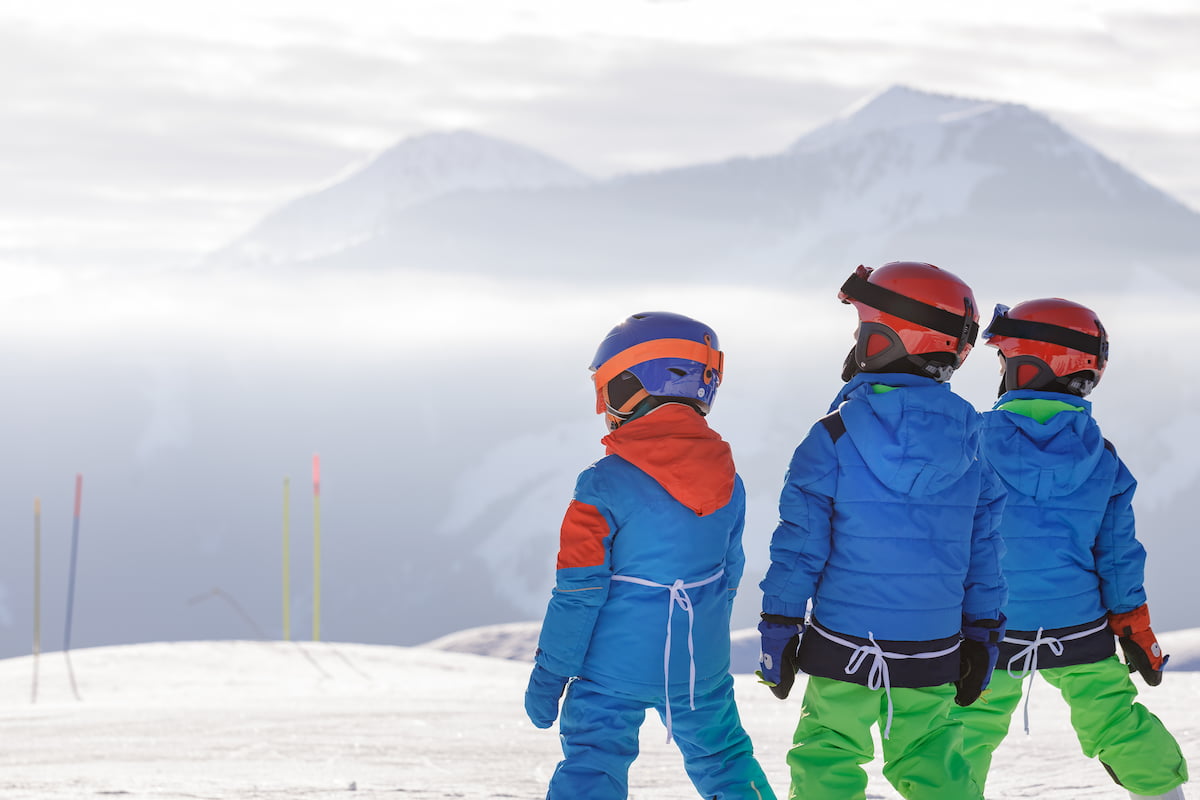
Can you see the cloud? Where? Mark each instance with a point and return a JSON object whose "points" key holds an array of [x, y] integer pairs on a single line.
{"points": [[173, 134]]}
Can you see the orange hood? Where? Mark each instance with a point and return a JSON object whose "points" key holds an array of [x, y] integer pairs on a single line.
{"points": [[674, 445]]}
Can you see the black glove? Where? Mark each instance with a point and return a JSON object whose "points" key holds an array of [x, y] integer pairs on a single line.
{"points": [[977, 654], [778, 661]]}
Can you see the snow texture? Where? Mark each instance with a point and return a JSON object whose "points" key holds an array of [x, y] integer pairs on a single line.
{"points": [[261, 720]]}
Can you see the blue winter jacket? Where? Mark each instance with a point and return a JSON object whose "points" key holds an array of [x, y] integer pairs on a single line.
{"points": [[665, 505], [891, 528], [1072, 553]]}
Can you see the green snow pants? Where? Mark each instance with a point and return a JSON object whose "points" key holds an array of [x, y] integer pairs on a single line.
{"points": [[922, 756], [1131, 742]]}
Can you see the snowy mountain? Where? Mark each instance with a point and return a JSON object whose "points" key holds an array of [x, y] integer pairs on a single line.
{"points": [[990, 186], [237, 719], [412, 172], [973, 184]]}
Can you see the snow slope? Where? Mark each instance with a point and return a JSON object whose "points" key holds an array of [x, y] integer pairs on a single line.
{"points": [[259, 720]]}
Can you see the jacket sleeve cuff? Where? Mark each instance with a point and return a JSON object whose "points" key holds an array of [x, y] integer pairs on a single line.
{"points": [[780, 608]]}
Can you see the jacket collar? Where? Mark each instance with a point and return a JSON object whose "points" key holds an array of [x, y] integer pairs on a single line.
{"points": [[674, 445]]}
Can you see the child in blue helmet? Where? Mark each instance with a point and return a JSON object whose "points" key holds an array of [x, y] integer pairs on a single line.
{"points": [[649, 559], [1074, 564], [888, 526]]}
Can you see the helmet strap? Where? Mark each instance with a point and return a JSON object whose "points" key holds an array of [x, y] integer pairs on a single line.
{"points": [[644, 406], [620, 398], [939, 366], [1079, 384], [850, 365]]}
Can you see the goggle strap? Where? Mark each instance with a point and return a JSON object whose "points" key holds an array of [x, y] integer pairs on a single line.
{"points": [[628, 406], [701, 352], [960, 326], [1048, 333]]}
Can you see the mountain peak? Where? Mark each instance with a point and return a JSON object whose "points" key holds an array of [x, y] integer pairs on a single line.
{"points": [[430, 164], [413, 171], [898, 107], [466, 150]]}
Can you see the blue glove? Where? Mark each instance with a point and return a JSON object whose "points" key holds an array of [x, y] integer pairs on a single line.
{"points": [[778, 661], [542, 694], [977, 655]]}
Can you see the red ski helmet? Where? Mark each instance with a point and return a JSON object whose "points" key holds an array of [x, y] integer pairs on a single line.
{"points": [[913, 313], [1051, 344]]}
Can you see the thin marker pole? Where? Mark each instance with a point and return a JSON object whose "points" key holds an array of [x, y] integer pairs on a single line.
{"points": [[37, 590], [316, 470], [71, 582], [287, 561]]}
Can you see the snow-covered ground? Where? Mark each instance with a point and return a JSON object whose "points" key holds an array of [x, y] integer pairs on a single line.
{"points": [[238, 719]]}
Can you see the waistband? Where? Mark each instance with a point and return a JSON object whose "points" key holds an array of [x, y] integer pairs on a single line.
{"points": [[1047, 648], [894, 664], [1022, 651], [677, 596]]}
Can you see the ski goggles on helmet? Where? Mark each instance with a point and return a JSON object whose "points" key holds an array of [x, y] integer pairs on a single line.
{"points": [[704, 353], [1092, 344], [961, 327]]}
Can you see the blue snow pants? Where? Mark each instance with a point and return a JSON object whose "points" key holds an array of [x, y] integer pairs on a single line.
{"points": [[599, 734]]}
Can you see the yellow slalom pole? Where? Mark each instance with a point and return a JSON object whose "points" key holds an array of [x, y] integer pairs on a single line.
{"points": [[71, 583], [316, 469], [287, 562], [37, 590]]}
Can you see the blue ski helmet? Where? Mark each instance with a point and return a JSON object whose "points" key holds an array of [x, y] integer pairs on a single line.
{"points": [[656, 354]]}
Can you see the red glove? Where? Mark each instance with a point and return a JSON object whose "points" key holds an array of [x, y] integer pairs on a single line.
{"points": [[1142, 652]]}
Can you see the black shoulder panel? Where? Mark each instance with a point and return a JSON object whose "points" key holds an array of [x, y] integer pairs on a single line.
{"points": [[833, 423]]}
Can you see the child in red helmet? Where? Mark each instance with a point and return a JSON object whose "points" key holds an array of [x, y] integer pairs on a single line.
{"points": [[887, 525], [1074, 564], [649, 559]]}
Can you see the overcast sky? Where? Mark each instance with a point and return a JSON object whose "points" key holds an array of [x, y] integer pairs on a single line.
{"points": [[143, 134]]}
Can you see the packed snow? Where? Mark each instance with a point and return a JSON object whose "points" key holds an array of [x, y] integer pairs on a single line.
{"points": [[254, 720]]}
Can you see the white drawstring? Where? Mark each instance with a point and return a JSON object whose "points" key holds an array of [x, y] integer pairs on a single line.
{"points": [[1028, 656], [878, 676], [678, 596]]}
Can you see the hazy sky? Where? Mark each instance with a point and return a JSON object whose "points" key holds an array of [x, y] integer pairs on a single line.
{"points": [[142, 134]]}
